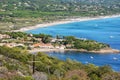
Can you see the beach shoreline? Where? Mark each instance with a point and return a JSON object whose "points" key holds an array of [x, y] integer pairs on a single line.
{"points": [[102, 51], [64, 21]]}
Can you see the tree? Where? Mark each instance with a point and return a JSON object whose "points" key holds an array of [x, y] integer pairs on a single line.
{"points": [[70, 39], [45, 38]]}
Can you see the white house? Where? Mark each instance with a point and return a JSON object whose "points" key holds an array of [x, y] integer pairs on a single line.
{"points": [[3, 36]]}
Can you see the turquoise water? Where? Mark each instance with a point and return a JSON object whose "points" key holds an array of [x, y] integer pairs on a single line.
{"points": [[102, 30]]}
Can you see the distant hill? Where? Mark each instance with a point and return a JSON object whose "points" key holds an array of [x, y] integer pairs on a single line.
{"points": [[13, 13], [93, 6]]}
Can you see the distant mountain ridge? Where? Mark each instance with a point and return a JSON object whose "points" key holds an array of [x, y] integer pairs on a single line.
{"points": [[61, 5], [15, 14]]}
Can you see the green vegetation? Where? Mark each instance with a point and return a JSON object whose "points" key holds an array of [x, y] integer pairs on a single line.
{"points": [[73, 42], [88, 45], [15, 14], [14, 64], [16, 35], [45, 38], [18, 65]]}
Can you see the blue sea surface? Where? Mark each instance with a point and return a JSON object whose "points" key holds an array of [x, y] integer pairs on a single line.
{"points": [[101, 30], [112, 60]]}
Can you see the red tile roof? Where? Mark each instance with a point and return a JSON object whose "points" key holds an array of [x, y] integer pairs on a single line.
{"points": [[42, 44]]}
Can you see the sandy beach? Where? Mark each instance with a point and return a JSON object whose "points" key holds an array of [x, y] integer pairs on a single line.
{"points": [[64, 21], [103, 51]]}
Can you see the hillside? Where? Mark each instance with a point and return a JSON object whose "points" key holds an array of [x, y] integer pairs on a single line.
{"points": [[61, 5], [16, 64], [13, 13]]}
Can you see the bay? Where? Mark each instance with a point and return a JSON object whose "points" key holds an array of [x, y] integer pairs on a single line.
{"points": [[101, 30], [112, 60]]}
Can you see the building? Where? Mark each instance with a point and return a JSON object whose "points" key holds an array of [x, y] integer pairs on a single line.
{"points": [[42, 45], [60, 47], [69, 45], [2, 44], [11, 45], [4, 36], [56, 40]]}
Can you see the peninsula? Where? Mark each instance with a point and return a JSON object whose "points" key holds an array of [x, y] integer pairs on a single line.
{"points": [[43, 43], [22, 54]]}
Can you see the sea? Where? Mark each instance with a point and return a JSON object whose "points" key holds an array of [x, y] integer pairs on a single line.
{"points": [[105, 30]]}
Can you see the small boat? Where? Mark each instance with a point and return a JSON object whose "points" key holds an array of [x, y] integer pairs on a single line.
{"points": [[115, 58], [91, 57], [111, 36], [96, 25]]}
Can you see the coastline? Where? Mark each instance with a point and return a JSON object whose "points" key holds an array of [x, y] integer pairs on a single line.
{"points": [[64, 21], [102, 51]]}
